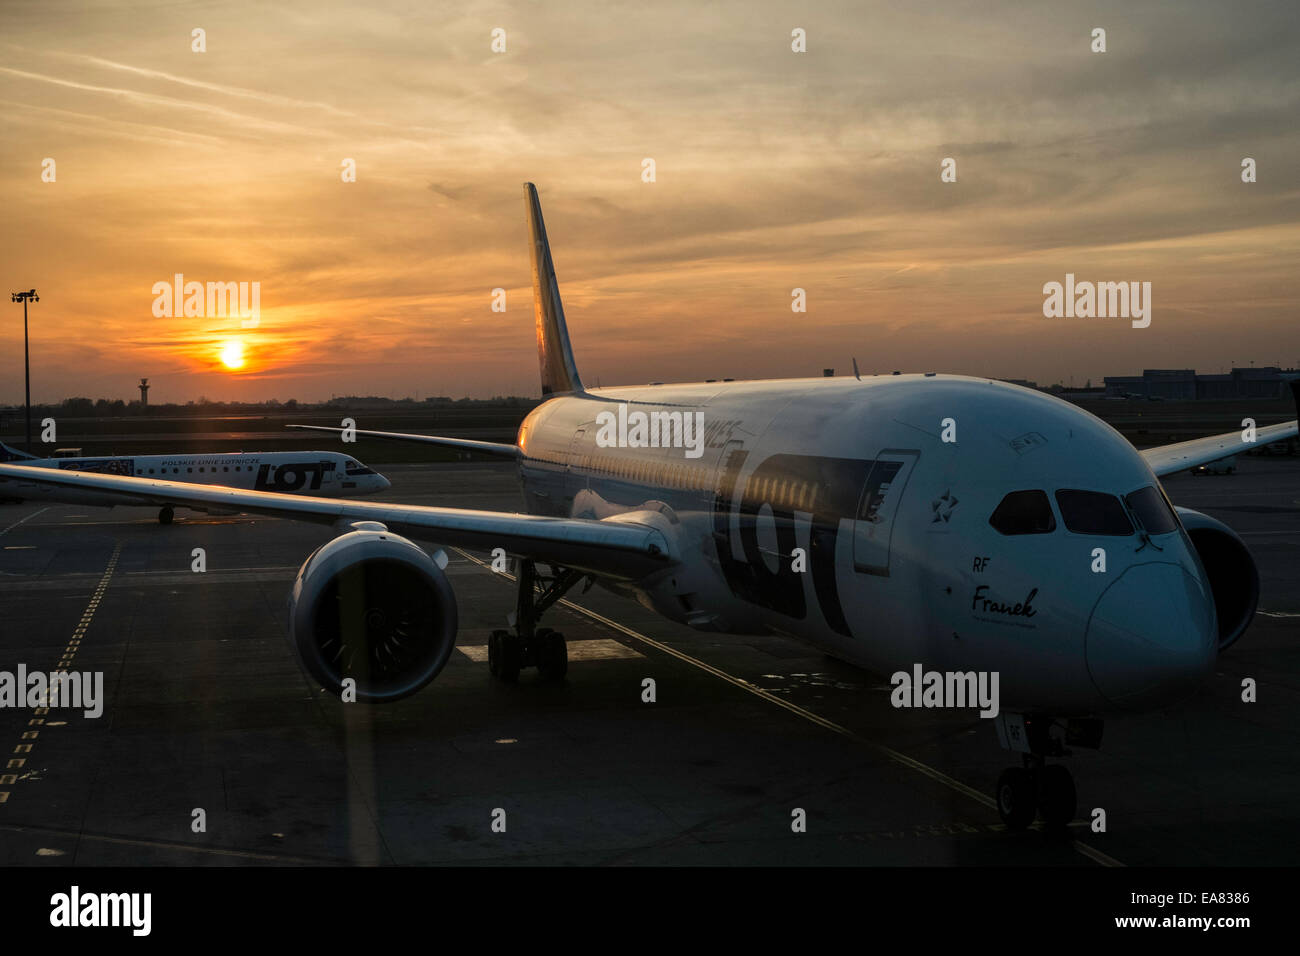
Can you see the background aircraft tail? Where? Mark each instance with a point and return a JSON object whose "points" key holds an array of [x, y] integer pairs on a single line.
{"points": [[13, 454], [559, 372]]}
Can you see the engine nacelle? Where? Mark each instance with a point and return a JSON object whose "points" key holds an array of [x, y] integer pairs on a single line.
{"points": [[1234, 578], [372, 606]]}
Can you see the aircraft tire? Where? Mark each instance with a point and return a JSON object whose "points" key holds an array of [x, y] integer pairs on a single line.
{"points": [[552, 654], [1016, 798]]}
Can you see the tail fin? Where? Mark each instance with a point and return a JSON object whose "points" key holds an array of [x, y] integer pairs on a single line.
{"points": [[559, 373], [13, 454]]}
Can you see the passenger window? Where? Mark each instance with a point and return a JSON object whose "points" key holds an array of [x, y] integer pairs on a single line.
{"points": [[1024, 512], [1152, 510], [1092, 512]]}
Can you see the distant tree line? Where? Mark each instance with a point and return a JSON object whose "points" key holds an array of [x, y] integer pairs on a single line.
{"points": [[203, 406]]}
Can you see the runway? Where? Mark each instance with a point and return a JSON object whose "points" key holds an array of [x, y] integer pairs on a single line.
{"points": [[207, 708]]}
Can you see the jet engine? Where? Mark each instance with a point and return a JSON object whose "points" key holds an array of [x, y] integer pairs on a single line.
{"points": [[372, 606], [1234, 579]]}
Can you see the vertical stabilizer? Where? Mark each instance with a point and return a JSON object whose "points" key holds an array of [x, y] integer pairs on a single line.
{"points": [[555, 355]]}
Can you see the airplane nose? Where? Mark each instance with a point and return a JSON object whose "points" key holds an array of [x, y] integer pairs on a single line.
{"points": [[384, 483], [1152, 636]]}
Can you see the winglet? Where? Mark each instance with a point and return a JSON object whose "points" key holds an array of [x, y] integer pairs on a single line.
{"points": [[554, 354]]}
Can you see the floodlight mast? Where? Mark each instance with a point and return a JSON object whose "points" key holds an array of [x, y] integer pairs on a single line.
{"points": [[25, 297]]}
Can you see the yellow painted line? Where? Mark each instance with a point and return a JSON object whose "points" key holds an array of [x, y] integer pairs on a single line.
{"points": [[59, 668], [901, 758], [1096, 855], [595, 650], [24, 521], [166, 845]]}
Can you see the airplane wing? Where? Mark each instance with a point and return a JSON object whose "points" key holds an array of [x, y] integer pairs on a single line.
{"points": [[1168, 459], [495, 449], [618, 547]]}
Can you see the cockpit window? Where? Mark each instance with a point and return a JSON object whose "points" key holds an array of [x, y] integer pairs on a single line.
{"points": [[1092, 512], [1152, 510], [1024, 512]]}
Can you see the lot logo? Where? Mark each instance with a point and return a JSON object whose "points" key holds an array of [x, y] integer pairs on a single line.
{"points": [[651, 430], [1085, 300], [291, 477], [923, 688], [215, 300], [75, 908]]}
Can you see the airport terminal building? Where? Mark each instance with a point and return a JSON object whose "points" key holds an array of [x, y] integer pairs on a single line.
{"points": [[1184, 384]]}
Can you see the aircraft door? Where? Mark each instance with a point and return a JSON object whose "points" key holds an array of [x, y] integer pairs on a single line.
{"points": [[873, 525]]}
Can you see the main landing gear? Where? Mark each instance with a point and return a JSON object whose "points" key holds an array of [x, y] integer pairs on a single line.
{"points": [[528, 645], [165, 514], [1038, 788]]}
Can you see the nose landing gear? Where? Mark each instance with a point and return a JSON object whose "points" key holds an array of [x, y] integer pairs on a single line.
{"points": [[1038, 788]]}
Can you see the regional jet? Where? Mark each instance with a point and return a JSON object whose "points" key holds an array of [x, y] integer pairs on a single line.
{"points": [[327, 474], [962, 524]]}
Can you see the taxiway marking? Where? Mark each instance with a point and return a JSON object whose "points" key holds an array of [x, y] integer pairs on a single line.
{"points": [[74, 644]]}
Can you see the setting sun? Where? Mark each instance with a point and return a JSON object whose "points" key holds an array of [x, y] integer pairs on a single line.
{"points": [[232, 354]]}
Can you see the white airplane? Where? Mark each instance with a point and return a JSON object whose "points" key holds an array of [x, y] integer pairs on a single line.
{"points": [[950, 522], [325, 473]]}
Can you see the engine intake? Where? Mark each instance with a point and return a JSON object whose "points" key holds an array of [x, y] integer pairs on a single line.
{"points": [[1233, 576], [372, 606]]}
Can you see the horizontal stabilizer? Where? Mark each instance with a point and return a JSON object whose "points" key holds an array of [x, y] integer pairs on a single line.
{"points": [[13, 454], [495, 449]]}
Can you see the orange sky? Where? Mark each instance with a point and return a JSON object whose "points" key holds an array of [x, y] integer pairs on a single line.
{"points": [[775, 170]]}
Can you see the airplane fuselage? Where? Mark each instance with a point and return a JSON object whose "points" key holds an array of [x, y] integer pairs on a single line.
{"points": [[858, 516], [325, 474]]}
